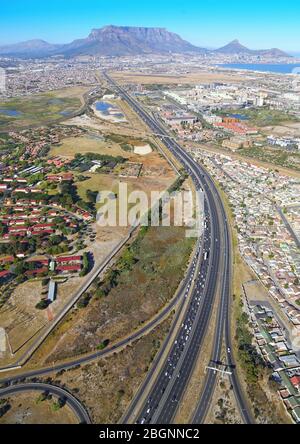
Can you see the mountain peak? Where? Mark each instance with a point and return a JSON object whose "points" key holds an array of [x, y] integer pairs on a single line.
{"points": [[129, 40], [234, 47]]}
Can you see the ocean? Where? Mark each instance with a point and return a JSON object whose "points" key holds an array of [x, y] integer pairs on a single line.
{"points": [[279, 68]]}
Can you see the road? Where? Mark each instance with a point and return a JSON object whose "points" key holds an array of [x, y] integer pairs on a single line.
{"points": [[223, 323], [169, 386], [146, 329], [88, 282], [70, 400]]}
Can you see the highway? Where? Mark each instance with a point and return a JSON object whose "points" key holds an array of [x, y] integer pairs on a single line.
{"points": [[196, 298], [214, 267], [70, 400], [146, 329]]}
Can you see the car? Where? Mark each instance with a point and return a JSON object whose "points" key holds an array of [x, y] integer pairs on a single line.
{"points": [[229, 350]]}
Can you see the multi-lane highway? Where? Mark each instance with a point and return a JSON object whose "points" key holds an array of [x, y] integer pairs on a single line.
{"points": [[208, 275], [70, 400], [214, 267]]}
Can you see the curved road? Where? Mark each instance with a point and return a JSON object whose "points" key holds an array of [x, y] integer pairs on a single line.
{"points": [[72, 402]]}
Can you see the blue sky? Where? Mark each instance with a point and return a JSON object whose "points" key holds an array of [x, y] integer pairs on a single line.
{"points": [[211, 23]]}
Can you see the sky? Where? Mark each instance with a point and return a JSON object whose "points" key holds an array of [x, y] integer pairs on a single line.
{"points": [[258, 24]]}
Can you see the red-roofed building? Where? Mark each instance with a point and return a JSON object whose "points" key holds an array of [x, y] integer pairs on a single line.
{"points": [[4, 274], [295, 380], [69, 259], [42, 226], [66, 268], [7, 260], [60, 177]]}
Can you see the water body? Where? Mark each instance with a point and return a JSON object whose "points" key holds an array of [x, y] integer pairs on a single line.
{"points": [[10, 112], [109, 111], [261, 67], [103, 107], [239, 116]]}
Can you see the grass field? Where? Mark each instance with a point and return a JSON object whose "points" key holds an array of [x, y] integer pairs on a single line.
{"points": [[262, 116], [40, 109], [113, 145], [81, 145]]}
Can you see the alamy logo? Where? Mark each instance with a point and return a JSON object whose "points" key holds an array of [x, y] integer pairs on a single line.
{"points": [[124, 209], [2, 80]]}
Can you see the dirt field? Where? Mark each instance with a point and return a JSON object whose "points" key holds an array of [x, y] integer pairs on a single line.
{"points": [[223, 409], [196, 77], [22, 321], [24, 409], [286, 130]]}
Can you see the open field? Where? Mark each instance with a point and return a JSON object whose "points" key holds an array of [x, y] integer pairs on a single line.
{"points": [[138, 294], [40, 109], [25, 409], [106, 387], [74, 145], [262, 117], [283, 130], [277, 157], [191, 78], [21, 321], [113, 145]]}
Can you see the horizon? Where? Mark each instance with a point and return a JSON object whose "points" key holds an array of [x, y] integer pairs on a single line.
{"points": [[210, 26]]}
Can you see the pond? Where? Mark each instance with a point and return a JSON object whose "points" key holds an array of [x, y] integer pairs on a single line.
{"points": [[103, 107], [10, 112], [239, 116], [109, 111]]}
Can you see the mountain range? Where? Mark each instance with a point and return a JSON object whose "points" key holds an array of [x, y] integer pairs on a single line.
{"points": [[123, 41], [235, 47]]}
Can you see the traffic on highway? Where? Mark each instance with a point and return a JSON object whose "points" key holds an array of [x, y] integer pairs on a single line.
{"points": [[213, 263]]}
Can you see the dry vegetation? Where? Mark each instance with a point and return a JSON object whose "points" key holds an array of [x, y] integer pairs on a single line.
{"points": [[107, 387], [191, 78], [139, 292], [25, 408]]}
